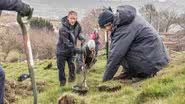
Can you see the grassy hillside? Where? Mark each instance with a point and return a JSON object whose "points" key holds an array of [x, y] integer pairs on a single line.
{"points": [[168, 87]]}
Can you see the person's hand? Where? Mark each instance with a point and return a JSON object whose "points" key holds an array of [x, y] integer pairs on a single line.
{"points": [[26, 10], [78, 50]]}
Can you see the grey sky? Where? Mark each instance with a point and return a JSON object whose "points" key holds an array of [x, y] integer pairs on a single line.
{"points": [[59, 8]]}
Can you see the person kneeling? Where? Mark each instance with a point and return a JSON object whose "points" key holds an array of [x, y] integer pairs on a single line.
{"points": [[84, 61], [88, 57]]}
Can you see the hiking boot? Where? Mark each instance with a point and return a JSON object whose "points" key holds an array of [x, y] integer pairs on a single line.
{"points": [[71, 79], [62, 83], [122, 76], [145, 75]]}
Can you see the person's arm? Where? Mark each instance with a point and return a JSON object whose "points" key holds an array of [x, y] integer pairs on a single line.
{"points": [[119, 48], [81, 37], [16, 5]]}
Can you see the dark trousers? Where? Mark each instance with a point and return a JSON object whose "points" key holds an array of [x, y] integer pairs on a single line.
{"points": [[61, 59], [149, 73], [2, 82], [96, 48]]}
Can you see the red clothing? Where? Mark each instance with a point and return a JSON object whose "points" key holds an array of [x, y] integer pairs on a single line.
{"points": [[94, 36]]}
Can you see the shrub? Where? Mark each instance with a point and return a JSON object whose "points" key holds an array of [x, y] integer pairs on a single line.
{"points": [[40, 23]]}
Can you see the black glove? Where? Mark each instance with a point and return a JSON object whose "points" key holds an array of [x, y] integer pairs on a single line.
{"points": [[78, 50], [26, 10], [68, 45]]}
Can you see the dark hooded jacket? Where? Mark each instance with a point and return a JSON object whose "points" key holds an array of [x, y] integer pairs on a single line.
{"points": [[68, 37], [136, 42]]}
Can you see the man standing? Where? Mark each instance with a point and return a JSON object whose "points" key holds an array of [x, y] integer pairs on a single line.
{"points": [[135, 45], [24, 10], [69, 31]]}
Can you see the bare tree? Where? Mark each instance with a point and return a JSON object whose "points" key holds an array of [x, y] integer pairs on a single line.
{"points": [[90, 21], [149, 12], [181, 20], [167, 18], [161, 20], [180, 34]]}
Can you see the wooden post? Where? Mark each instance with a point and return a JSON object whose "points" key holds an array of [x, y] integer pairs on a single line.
{"points": [[107, 44]]}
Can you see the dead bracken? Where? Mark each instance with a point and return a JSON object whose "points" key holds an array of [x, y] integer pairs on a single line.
{"points": [[109, 88], [67, 99], [13, 89]]}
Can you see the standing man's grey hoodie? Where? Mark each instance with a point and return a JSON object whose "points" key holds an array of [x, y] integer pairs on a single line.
{"points": [[135, 44], [24, 10]]}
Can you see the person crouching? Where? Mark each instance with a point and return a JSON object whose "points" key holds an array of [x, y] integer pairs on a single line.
{"points": [[87, 58]]}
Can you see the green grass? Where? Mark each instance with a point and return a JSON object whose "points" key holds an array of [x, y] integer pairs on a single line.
{"points": [[168, 87]]}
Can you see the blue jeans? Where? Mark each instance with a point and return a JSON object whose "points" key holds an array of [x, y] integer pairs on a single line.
{"points": [[2, 82]]}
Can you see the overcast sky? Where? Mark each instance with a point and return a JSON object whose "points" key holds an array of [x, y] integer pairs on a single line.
{"points": [[59, 8]]}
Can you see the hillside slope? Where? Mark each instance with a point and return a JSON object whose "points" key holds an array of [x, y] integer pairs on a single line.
{"points": [[168, 87]]}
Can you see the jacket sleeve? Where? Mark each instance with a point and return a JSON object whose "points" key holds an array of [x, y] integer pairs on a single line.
{"points": [[119, 47], [64, 36], [12, 5]]}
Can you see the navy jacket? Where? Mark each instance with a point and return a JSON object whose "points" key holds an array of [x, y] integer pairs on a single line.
{"points": [[136, 42]]}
